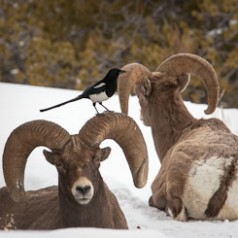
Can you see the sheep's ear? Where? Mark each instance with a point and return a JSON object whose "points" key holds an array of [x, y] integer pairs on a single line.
{"points": [[183, 81], [105, 152], [102, 154], [143, 90], [51, 157], [144, 87], [55, 159]]}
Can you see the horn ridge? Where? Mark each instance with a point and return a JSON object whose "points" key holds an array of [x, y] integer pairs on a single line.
{"points": [[123, 130], [21, 142], [183, 63], [135, 72]]}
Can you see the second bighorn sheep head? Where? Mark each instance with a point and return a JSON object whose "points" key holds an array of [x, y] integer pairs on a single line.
{"points": [[173, 71]]}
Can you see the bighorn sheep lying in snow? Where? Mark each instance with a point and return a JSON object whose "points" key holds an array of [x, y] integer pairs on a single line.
{"points": [[198, 177], [81, 199]]}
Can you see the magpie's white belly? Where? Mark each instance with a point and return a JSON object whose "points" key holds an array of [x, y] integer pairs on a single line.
{"points": [[98, 97]]}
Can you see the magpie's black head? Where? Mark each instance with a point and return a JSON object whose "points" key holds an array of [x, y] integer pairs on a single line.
{"points": [[114, 73]]}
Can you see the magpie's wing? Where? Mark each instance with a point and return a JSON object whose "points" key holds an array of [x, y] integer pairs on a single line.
{"points": [[96, 88]]}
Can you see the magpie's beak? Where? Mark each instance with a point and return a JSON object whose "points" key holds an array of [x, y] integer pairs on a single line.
{"points": [[122, 71]]}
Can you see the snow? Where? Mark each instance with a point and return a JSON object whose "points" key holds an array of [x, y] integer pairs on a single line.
{"points": [[21, 103]]}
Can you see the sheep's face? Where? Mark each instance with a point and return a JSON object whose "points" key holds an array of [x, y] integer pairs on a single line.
{"points": [[157, 91], [78, 166]]}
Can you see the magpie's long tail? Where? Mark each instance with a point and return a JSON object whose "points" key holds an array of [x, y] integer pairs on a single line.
{"points": [[63, 103]]}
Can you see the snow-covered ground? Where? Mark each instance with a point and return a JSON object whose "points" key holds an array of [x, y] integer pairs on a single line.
{"points": [[19, 104]]}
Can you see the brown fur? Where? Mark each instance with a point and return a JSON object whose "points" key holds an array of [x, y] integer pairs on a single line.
{"points": [[55, 207], [81, 199]]}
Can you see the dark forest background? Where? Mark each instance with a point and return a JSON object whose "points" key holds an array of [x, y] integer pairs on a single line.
{"points": [[72, 43]]}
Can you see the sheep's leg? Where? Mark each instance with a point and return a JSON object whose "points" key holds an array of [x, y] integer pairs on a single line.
{"points": [[175, 181], [173, 205], [174, 191], [158, 200], [177, 210]]}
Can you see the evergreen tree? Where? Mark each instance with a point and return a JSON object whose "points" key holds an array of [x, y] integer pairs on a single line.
{"points": [[70, 44]]}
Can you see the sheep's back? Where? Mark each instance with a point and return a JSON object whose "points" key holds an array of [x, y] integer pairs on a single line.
{"points": [[202, 169], [205, 163], [39, 211]]}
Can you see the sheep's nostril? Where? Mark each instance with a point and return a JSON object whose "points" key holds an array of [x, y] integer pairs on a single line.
{"points": [[83, 190]]}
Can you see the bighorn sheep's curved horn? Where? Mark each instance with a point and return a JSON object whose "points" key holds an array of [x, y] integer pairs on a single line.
{"points": [[183, 63], [134, 72], [21, 143], [127, 134]]}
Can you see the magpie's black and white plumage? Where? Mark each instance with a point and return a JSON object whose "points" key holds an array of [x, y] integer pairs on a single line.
{"points": [[98, 92]]}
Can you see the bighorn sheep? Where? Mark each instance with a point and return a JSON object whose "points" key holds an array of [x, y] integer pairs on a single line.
{"points": [[198, 177], [81, 199]]}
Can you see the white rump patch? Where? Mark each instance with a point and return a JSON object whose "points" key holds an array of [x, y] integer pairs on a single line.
{"points": [[203, 182]]}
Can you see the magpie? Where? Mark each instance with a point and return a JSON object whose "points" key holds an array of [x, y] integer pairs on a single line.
{"points": [[98, 92]]}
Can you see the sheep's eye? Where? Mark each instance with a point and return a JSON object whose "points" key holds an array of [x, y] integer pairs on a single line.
{"points": [[169, 85], [61, 167], [97, 160]]}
